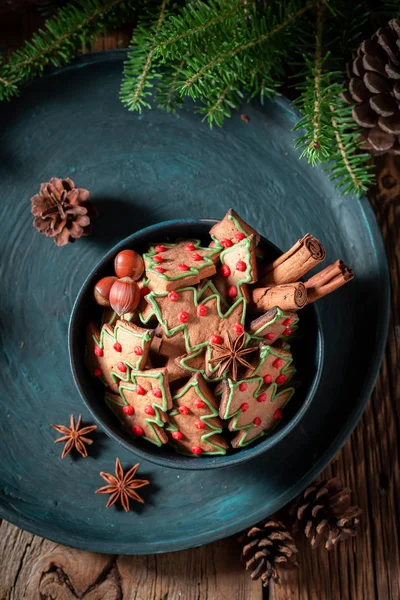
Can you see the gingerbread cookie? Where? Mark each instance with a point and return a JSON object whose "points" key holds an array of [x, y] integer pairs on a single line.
{"points": [[170, 266], [112, 352], [238, 268], [273, 325], [142, 404], [253, 408], [194, 426], [231, 229], [273, 365], [165, 351]]}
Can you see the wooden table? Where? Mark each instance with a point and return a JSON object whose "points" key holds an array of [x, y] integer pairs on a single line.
{"points": [[32, 568]]}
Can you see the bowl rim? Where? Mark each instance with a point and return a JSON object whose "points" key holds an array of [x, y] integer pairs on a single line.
{"points": [[182, 462]]}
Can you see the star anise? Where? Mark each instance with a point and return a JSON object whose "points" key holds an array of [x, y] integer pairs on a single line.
{"points": [[74, 437], [122, 486], [230, 355]]}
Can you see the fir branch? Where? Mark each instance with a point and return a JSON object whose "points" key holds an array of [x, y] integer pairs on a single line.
{"points": [[76, 24], [317, 77]]}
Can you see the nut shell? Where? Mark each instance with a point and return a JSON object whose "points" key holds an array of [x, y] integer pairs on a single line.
{"points": [[102, 290], [124, 295], [128, 263]]}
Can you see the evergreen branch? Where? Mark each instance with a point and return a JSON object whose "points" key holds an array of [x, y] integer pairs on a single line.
{"points": [[211, 111], [317, 78], [358, 185], [74, 25], [224, 56]]}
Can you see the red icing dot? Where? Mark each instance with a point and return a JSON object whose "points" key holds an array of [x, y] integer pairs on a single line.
{"points": [[173, 296], [225, 271], [97, 372], [149, 410], [117, 347], [197, 450], [288, 321], [239, 236], [128, 409], [98, 351], [226, 243], [278, 363], [267, 379], [199, 403], [288, 331], [138, 350], [243, 386], [158, 259], [269, 336], [144, 291], [157, 392], [232, 291], [238, 328], [137, 430], [241, 265], [244, 407], [140, 390], [199, 425], [177, 435], [184, 410], [215, 339], [201, 310], [197, 256], [257, 422], [262, 398], [159, 248], [183, 267], [159, 269], [190, 247], [121, 366], [183, 316], [280, 379], [278, 414]]}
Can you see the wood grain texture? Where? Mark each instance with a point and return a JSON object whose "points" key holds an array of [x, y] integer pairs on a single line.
{"points": [[34, 568]]}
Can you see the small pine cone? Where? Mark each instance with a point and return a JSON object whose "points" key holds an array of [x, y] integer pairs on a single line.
{"points": [[268, 548], [62, 211], [374, 89], [325, 512]]}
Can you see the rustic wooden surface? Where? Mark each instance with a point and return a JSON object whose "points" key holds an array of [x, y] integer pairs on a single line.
{"points": [[35, 569]]}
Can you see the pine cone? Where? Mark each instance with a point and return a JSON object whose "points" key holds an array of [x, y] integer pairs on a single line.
{"points": [[270, 547], [62, 211], [374, 88], [325, 512]]}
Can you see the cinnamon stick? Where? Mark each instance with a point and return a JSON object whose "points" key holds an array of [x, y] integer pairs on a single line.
{"points": [[289, 296], [296, 262], [328, 280]]}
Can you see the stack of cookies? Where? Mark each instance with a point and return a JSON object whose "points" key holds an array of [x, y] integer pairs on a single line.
{"points": [[194, 343]]}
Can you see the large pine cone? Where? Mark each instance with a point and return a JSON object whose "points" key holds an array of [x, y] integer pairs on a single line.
{"points": [[374, 88], [324, 511], [268, 548], [62, 211]]}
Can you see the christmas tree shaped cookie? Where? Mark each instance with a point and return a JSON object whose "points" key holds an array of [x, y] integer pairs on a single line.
{"points": [[170, 266], [194, 426], [238, 268], [164, 352], [252, 407], [141, 405], [201, 321], [273, 325], [231, 229], [273, 365], [112, 352]]}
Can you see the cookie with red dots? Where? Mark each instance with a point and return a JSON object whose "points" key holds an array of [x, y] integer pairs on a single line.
{"points": [[238, 268], [231, 229], [253, 408], [194, 426], [141, 405], [273, 325], [273, 365], [113, 351], [170, 266]]}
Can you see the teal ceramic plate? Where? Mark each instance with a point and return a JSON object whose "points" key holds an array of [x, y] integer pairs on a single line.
{"points": [[143, 169]]}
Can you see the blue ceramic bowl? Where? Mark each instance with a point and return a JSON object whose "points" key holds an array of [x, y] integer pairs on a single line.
{"points": [[307, 353]]}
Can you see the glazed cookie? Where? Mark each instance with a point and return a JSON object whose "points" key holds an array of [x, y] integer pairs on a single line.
{"points": [[194, 426], [273, 325], [141, 405], [231, 229], [113, 351], [273, 365], [238, 268], [170, 266]]}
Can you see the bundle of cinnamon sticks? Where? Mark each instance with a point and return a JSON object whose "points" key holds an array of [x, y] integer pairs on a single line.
{"points": [[280, 283]]}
